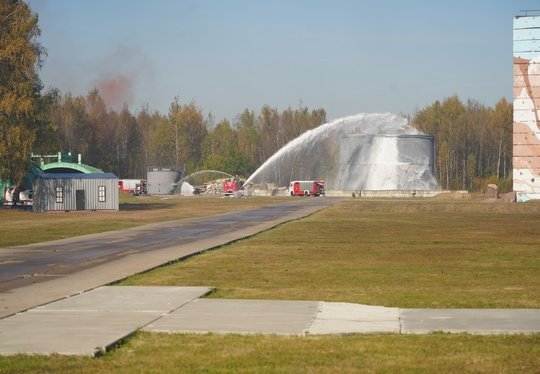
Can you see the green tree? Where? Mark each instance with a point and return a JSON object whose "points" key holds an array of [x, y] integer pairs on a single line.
{"points": [[20, 58], [501, 123], [219, 145], [128, 145], [47, 130], [102, 127], [145, 124], [161, 142], [248, 139], [472, 142], [188, 130], [270, 137], [471, 170], [69, 113]]}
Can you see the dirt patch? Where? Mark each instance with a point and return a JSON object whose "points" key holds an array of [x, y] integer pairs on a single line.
{"points": [[453, 195]]}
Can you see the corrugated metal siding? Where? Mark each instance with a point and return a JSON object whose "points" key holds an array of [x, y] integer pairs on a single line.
{"points": [[45, 194]]}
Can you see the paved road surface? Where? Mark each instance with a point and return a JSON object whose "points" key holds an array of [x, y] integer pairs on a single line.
{"points": [[36, 274]]}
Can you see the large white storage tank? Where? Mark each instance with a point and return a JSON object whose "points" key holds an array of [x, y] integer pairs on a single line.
{"points": [[386, 162], [161, 181]]}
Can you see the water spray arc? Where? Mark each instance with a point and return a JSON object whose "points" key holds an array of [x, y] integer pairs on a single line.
{"points": [[191, 177], [375, 151]]}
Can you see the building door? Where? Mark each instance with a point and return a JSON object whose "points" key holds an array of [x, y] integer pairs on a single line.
{"points": [[80, 199]]}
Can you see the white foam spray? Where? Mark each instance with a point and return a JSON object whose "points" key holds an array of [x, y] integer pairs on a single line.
{"points": [[374, 162]]}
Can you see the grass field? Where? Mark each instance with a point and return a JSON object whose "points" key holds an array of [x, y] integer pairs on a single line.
{"points": [[405, 253], [434, 353], [411, 254]]}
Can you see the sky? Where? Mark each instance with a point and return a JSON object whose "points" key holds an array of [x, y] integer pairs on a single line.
{"points": [[346, 56]]}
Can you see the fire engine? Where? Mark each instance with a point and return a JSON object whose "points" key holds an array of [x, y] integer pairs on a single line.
{"points": [[133, 186], [232, 186], [306, 188]]}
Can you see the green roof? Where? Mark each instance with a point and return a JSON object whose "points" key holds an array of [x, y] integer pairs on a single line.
{"points": [[69, 167]]}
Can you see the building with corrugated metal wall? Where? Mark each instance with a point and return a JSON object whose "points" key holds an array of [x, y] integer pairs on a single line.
{"points": [[74, 191]]}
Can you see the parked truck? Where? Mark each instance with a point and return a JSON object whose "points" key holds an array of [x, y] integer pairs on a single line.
{"points": [[306, 188], [233, 186], [14, 196], [133, 186]]}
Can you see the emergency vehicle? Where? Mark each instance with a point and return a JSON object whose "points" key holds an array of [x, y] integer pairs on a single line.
{"points": [[133, 186], [306, 188]]}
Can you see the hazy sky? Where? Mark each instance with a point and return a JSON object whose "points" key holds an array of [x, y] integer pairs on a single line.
{"points": [[228, 55]]}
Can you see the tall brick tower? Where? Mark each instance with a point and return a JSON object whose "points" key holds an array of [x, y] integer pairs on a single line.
{"points": [[526, 143]]}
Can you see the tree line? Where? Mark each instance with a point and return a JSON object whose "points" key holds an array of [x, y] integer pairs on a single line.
{"points": [[126, 143], [473, 142]]}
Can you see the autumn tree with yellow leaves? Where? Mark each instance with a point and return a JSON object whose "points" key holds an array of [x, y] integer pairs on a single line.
{"points": [[21, 105]]}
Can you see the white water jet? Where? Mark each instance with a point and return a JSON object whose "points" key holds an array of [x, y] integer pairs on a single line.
{"points": [[367, 151], [187, 189], [383, 157]]}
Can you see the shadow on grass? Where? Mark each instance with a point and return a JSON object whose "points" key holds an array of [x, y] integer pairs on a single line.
{"points": [[142, 206]]}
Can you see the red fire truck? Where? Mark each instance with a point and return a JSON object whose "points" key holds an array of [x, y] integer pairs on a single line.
{"points": [[133, 186], [232, 186], [306, 188]]}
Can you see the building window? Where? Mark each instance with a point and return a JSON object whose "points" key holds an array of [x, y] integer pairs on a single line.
{"points": [[101, 194], [59, 194]]}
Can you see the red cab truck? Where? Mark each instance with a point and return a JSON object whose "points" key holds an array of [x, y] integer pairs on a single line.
{"points": [[306, 188], [232, 186], [133, 186]]}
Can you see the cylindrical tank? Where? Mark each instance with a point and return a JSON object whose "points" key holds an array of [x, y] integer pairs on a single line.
{"points": [[386, 162], [161, 181]]}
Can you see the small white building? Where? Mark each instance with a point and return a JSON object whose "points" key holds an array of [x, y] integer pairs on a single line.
{"points": [[75, 191]]}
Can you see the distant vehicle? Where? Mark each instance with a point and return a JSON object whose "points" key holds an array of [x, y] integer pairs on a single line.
{"points": [[232, 186], [133, 186], [26, 197], [306, 188], [13, 196], [9, 194]]}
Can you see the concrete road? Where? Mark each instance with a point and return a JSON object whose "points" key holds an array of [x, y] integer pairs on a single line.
{"points": [[94, 321], [37, 274], [473, 321]]}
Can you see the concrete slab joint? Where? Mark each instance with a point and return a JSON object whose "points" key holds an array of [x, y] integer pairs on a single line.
{"points": [[341, 318], [92, 322]]}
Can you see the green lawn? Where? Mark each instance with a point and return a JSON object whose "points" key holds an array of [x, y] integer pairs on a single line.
{"points": [[411, 254], [404, 253], [435, 353]]}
